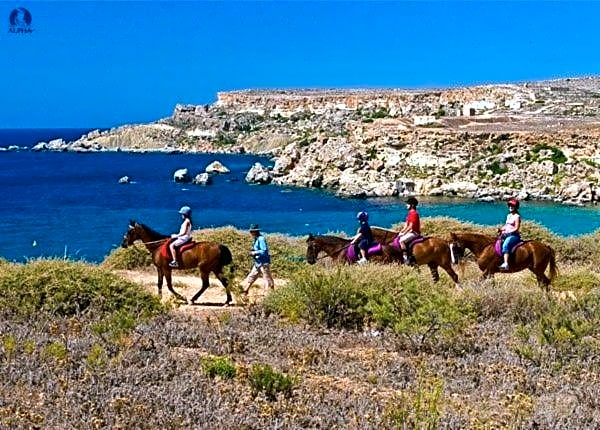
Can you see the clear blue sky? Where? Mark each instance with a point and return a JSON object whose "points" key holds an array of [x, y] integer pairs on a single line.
{"points": [[102, 64]]}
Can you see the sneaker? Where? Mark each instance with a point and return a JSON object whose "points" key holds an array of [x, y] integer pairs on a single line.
{"points": [[173, 264], [405, 259], [363, 260], [503, 266]]}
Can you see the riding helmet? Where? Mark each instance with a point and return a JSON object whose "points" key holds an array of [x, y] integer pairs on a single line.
{"points": [[362, 216], [185, 210], [513, 202], [412, 201]]}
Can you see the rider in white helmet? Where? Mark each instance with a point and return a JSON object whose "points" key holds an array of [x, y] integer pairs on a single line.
{"points": [[184, 234]]}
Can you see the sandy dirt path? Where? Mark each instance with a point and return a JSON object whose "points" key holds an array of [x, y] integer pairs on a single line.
{"points": [[187, 285]]}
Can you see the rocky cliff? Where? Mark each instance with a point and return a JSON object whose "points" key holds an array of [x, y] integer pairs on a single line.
{"points": [[537, 140]]}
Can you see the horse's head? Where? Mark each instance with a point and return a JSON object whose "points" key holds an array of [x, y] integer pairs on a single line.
{"points": [[132, 234], [457, 248], [312, 250]]}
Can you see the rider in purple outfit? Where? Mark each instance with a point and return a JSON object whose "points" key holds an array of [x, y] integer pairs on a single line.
{"points": [[364, 236]]}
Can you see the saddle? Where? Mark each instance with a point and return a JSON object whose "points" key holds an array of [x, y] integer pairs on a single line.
{"points": [[165, 251], [511, 251], [409, 245], [352, 253]]}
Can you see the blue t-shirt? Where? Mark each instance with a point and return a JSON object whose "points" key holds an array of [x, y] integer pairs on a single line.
{"points": [[260, 251], [365, 231]]}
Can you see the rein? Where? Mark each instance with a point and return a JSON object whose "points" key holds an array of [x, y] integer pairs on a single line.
{"points": [[332, 253]]}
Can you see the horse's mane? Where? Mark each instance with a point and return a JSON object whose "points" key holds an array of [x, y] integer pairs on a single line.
{"points": [[155, 235], [329, 239], [479, 237]]}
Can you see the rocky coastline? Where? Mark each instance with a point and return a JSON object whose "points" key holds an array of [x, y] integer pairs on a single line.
{"points": [[535, 140]]}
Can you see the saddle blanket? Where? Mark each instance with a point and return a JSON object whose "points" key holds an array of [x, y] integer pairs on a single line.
{"points": [[166, 252], [373, 250], [409, 245], [511, 251]]}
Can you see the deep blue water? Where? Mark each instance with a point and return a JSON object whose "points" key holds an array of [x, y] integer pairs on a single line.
{"points": [[69, 203]]}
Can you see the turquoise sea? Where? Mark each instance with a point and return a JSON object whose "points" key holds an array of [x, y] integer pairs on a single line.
{"points": [[57, 204]]}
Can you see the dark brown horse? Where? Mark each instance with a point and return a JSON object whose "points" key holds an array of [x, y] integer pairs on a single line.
{"points": [[433, 251], [532, 255], [207, 256]]}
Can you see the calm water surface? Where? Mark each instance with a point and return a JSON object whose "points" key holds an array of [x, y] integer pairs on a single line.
{"points": [[67, 203]]}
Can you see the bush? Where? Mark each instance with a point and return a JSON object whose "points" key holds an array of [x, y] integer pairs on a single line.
{"points": [[264, 379], [346, 297], [218, 366], [132, 257], [66, 288]]}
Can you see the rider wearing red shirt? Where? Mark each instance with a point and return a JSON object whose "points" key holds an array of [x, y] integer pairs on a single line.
{"points": [[412, 227]]}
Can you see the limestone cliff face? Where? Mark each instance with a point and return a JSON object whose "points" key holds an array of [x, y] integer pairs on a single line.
{"points": [[536, 140]]}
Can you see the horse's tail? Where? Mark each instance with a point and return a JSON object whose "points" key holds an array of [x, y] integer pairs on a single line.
{"points": [[553, 268], [225, 257]]}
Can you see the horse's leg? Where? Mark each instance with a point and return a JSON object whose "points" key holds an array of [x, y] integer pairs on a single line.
{"points": [[450, 271], [433, 268], [159, 284], [219, 274], [170, 286], [205, 285]]}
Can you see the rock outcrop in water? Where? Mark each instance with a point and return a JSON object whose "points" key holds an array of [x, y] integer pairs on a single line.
{"points": [[536, 140]]}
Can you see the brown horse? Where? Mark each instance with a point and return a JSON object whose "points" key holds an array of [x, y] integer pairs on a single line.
{"points": [[208, 256], [433, 251], [532, 255]]}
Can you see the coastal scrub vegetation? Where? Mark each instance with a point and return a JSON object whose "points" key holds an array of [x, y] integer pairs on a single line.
{"points": [[332, 347]]}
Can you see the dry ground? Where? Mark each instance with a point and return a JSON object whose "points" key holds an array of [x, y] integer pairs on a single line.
{"points": [[187, 285]]}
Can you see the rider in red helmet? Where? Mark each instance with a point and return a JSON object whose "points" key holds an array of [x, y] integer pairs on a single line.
{"points": [[510, 230]]}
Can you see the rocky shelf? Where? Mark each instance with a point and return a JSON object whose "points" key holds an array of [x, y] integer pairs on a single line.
{"points": [[534, 140]]}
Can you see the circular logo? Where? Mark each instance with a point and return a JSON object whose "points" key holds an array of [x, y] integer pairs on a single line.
{"points": [[20, 17]]}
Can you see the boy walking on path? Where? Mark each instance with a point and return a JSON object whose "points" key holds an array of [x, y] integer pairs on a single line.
{"points": [[262, 261]]}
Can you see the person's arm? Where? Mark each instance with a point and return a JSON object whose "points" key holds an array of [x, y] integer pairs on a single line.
{"points": [[356, 237], [184, 230], [517, 223]]}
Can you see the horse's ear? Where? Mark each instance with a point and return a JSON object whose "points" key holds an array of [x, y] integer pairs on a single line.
{"points": [[132, 224], [310, 237], [453, 236]]}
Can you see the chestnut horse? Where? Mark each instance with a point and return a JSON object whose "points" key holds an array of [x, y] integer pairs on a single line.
{"points": [[208, 256], [532, 255], [433, 251]]}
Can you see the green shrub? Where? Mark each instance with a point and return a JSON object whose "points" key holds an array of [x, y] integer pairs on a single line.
{"points": [[557, 156], [419, 407], [115, 325], [385, 297], [497, 168], [56, 351], [97, 357], [218, 366], [132, 257], [563, 332], [68, 288], [263, 379]]}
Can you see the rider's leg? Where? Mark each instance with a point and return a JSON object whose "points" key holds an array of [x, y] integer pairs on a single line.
{"points": [[173, 262], [363, 251]]}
